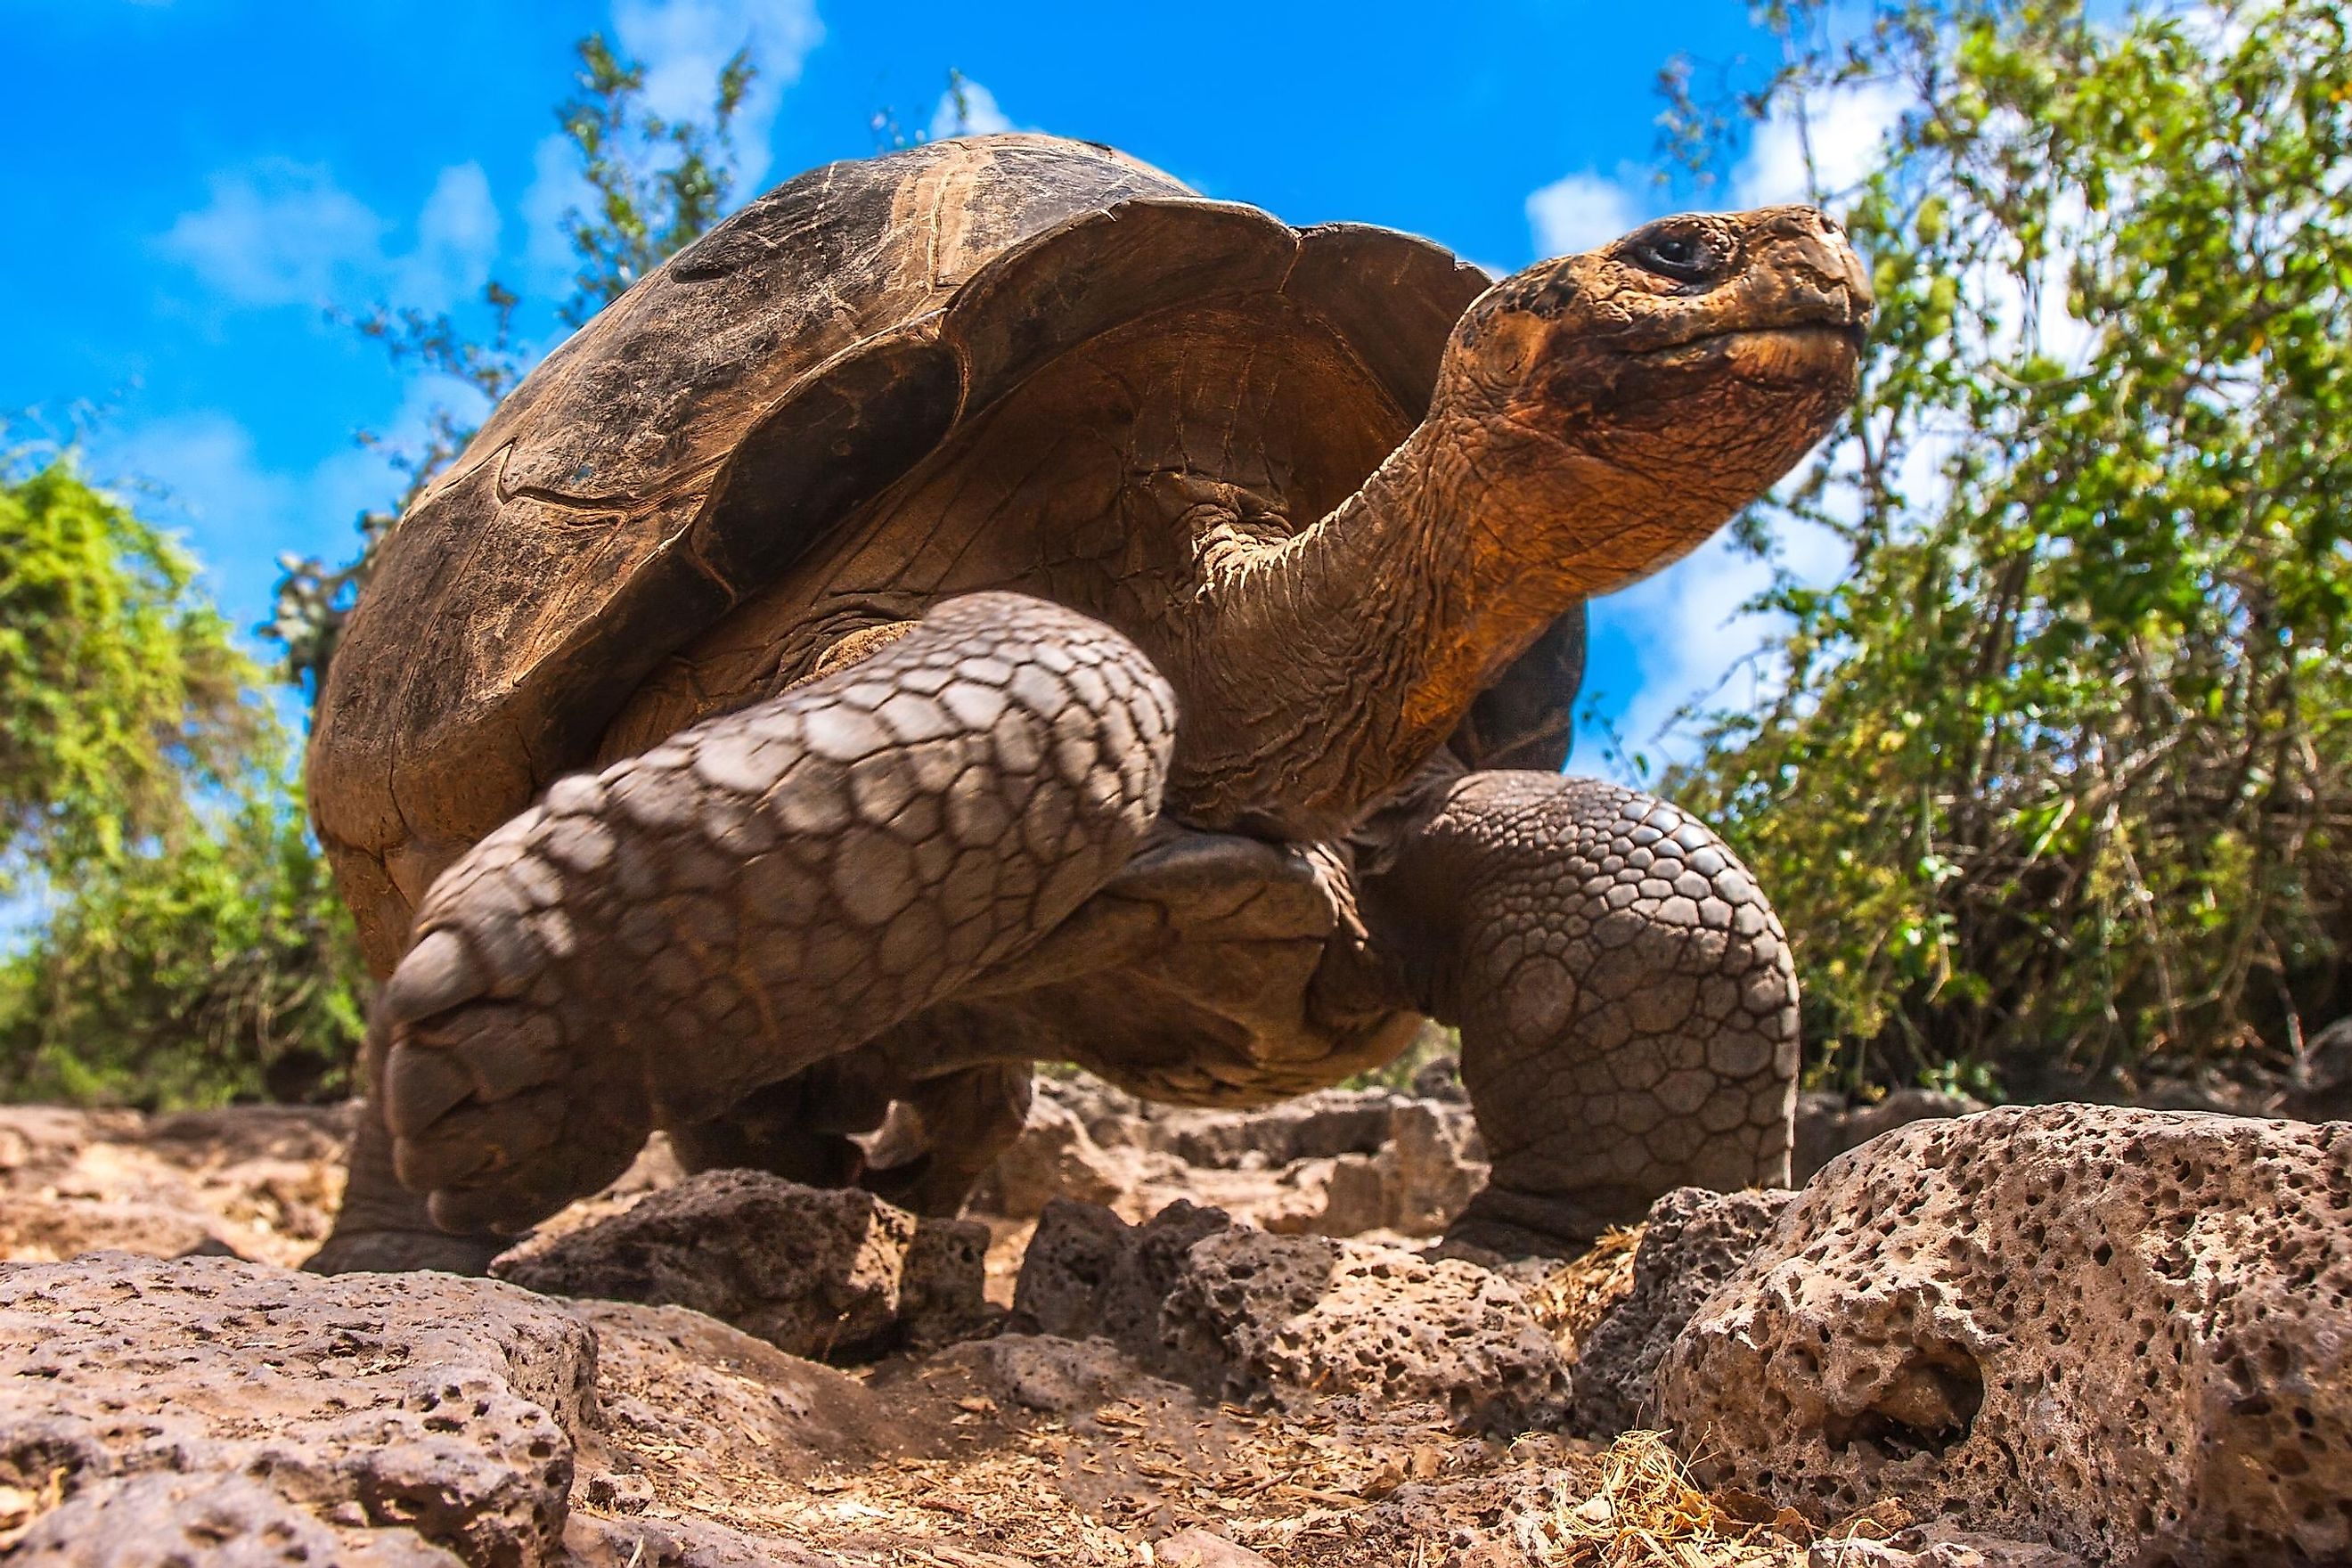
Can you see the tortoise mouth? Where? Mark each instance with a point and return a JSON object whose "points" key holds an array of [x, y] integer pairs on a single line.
{"points": [[1851, 335], [1788, 355]]}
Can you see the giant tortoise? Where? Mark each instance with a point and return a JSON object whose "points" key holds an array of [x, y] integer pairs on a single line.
{"points": [[987, 604]]}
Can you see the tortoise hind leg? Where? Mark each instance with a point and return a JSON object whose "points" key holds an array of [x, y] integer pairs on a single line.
{"points": [[1627, 1004], [764, 890], [952, 1120]]}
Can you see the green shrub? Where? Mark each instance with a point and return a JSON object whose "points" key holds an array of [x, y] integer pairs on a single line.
{"points": [[190, 948], [2061, 776], [221, 968]]}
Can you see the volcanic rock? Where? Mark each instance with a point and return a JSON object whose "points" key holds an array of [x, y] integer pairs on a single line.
{"points": [[2127, 1332], [1692, 1242]]}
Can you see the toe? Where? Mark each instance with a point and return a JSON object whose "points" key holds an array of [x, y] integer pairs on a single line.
{"points": [[433, 1159], [503, 1048], [436, 974], [421, 1085], [530, 1189]]}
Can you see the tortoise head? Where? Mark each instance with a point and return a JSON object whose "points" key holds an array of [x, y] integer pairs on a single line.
{"points": [[1670, 376]]}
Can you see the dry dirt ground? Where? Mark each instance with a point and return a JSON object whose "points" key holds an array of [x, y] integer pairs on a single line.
{"points": [[928, 1460]]}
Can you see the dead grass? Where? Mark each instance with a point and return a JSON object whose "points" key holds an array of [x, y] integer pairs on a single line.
{"points": [[1647, 1512], [1574, 1298]]}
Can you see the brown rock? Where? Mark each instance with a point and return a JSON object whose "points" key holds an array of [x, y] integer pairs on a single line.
{"points": [[1430, 1166], [1692, 1242], [1054, 1156], [423, 1405], [815, 1271], [2129, 1333], [1198, 1548], [221, 1521], [943, 1284], [1238, 1313], [1316, 1126], [682, 1542], [1342, 1196], [1304, 1316], [1087, 1271]]}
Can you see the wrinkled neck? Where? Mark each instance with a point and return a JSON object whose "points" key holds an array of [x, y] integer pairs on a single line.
{"points": [[1376, 628]]}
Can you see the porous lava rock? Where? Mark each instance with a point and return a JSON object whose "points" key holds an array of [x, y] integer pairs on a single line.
{"points": [[1295, 1315], [1316, 1126], [374, 1417], [1239, 1313], [943, 1284], [1090, 1273], [1691, 1243], [1430, 1164], [1200, 1549], [814, 1271], [2127, 1332], [177, 1520]]}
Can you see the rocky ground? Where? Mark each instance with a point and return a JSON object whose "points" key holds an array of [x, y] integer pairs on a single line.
{"points": [[2071, 1333]]}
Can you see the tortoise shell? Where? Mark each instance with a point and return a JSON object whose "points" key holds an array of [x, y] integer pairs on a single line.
{"points": [[729, 420]]}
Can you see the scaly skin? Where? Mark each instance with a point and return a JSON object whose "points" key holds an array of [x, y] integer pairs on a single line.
{"points": [[764, 890], [1626, 1000]]}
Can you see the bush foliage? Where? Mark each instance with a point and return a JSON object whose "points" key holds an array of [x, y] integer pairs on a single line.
{"points": [[223, 968], [193, 950], [2058, 778], [120, 685]]}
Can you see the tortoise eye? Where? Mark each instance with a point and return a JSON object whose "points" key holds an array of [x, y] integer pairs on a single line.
{"points": [[1686, 256]]}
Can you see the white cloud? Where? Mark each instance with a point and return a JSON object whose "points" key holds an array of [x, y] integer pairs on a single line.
{"points": [[1843, 127], [976, 115], [1582, 212], [200, 473], [279, 233], [457, 239], [202, 467], [1693, 644], [557, 188], [684, 45], [282, 233]]}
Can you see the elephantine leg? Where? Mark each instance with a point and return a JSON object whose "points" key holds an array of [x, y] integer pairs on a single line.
{"points": [[1625, 996], [771, 888], [961, 1122], [958, 1122]]}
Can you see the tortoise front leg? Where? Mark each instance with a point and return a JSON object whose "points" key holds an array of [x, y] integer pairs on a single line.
{"points": [[1626, 1000], [766, 890]]}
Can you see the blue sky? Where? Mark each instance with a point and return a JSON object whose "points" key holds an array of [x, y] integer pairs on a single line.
{"points": [[190, 184]]}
